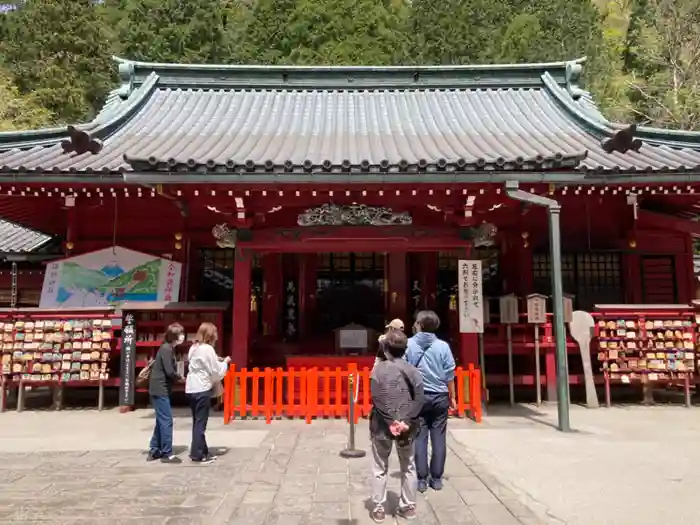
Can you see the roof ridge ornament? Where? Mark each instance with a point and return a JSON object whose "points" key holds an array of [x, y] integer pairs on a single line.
{"points": [[572, 77], [352, 215], [80, 142], [127, 74], [622, 140]]}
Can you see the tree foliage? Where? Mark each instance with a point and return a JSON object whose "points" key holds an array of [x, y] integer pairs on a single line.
{"points": [[663, 63], [58, 51], [333, 32], [643, 65], [19, 112], [171, 30]]}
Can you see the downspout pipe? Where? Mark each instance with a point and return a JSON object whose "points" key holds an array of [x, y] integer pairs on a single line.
{"points": [[514, 192]]}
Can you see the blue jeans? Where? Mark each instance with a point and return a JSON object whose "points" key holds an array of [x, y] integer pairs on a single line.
{"points": [[433, 425], [162, 440]]}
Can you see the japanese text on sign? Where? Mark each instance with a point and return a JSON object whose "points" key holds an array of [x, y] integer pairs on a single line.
{"points": [[470, 290], [169, 282], [536, 309], [128, 361]]}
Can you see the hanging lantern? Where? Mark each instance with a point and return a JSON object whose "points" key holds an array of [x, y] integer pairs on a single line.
{"points": [[178, 245], [178, 236]]}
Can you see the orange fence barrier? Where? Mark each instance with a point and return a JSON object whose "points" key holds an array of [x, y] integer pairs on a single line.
{"points": [[321, 393]]}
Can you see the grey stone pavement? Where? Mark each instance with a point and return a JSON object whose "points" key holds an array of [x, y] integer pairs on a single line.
{"points": [[84, 467], [628, 465]]}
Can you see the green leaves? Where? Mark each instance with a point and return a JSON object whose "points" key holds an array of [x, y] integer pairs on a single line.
{"points": [[644, 55], [17, 112], [56, 50]]}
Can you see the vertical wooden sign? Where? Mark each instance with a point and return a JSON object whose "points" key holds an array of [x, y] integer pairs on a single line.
{"points": [[537, 315], [128, 361], [509, 316]]}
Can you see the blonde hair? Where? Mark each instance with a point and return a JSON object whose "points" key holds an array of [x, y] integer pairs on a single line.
{"points": [[207, 334]]}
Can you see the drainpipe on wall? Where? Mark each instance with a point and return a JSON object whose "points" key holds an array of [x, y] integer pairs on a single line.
{"points": [[553, 212]]}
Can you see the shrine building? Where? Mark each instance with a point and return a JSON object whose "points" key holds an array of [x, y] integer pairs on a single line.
{"points": [[313, 198]]}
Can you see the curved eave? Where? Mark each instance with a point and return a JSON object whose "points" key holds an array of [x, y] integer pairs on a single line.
{"points": [[216, 76], [440, 177], [433, 166], [112, 117], [599, 125]]}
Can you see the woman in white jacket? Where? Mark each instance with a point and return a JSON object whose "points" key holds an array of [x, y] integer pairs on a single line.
{"points": [[205, 369]]}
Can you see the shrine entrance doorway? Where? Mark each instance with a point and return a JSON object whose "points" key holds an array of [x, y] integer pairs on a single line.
{"points": [[349, 289]]}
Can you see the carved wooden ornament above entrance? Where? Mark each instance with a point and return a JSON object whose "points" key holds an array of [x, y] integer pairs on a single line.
{"points": [[352, 215]]}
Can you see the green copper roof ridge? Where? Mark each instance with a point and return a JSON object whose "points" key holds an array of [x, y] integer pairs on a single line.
{"points": [[673, 138], [590, 122], [100, 127], [256, 67], [31, 138], [116, 118], [212, 75]]}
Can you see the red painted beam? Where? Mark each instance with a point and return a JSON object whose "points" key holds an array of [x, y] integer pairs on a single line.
{"points": [[661, 221], [354, 239]]}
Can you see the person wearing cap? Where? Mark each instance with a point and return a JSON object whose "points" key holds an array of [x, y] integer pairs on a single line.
{"points": [[433, 359], [395, 324]]}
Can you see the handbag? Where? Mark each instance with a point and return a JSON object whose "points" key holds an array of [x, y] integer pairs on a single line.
{"points": [[217, 389], [145, 374]]}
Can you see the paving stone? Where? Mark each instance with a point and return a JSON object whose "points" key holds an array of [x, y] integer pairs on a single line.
{"points": [[337, 511], [254, 514], [254, 496], [493, 515], [331, 493], [478, 497], [295, 477]]}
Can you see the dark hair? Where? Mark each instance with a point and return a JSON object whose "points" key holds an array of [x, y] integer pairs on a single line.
{"points": [[428, 321], [173, 332], [395, 343]]}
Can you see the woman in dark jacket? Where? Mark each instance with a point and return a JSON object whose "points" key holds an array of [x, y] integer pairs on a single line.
{"points": [[160, 388]]}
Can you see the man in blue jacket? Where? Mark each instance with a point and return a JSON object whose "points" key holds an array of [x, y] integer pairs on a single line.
{"points": [[433, 359]]}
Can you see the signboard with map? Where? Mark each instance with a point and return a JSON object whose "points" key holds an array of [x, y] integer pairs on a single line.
{"points": [[108, 277]]}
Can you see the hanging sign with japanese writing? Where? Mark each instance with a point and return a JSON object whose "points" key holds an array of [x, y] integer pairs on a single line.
{"points": [[110, 277], [470, 294], [536, 308], [128, 361], [291, 310], [509, 309]]}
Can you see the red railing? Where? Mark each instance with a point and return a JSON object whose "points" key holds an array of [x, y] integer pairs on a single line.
{"points": [[311, 393]]}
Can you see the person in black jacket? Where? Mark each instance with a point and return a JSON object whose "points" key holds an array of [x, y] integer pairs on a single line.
{"points": [[160, 387]]}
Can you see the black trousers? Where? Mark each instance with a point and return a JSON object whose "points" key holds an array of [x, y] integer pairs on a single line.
{"points": [[199, 404]]}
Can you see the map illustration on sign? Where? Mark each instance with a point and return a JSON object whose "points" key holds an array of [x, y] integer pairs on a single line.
{"points": [[108, 277]]}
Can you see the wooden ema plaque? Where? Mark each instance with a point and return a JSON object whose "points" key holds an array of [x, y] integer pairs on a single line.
{"points": [[536, 308], [509, 309], [568, 308]]}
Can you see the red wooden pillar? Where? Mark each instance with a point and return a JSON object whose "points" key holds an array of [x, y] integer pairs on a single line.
{"points": [[242, 272], [307, 291], [428, 279], [273, 294], [398, 286]]}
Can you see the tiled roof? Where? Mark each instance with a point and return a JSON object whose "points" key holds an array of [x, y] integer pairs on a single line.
{"points": [[187, 119], [16, 239]]}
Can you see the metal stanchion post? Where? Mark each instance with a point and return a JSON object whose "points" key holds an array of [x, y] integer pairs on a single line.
{"points": [[351, 451]]}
